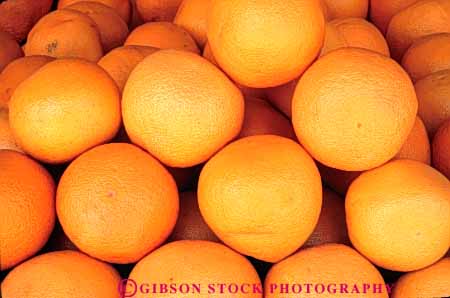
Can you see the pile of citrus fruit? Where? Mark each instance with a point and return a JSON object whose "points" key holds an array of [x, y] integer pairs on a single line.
{"points": [[242, 142]]}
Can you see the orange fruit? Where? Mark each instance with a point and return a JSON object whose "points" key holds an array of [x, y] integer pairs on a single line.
{"points": [[59, 240], [28, 208], [261, 118], [427, 55], [157, 10], [17, 17], [433, 94], [112, 28], [66, 274], [398, 215], [162, 35], [381, 11], [6, 137], [337, 180], [208, 55], [194, 262], [281, 97], [181, 108], [122, 7], [433, 281], [353, 32], [9, 51], [135, 19], [190, 224], [63, 109], [329, 265], [117, 182], [441, 145], [120, 62], [331, 227], [417, 145], [346, 9], [65, 33], [192, 15], [270, 174], [353, 109], [422, 18], [269, 47], [16, 72]]}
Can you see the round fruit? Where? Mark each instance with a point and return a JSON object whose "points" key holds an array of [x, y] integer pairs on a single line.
{"points": [[331, 227], [270, 46], [157, 10], [337, 180], [398, 215], [16, 72], [208, 55], [353, 109], [433, 281], [120, 62], [346, 8], [162, 35], [118, 183], [417, 145], [181, 108], [281, 97], [63, 109], [112, 28], [192, 15], [441, 145], [28, 208], [122, 7], [261, 118], [195, 262], [328, 265], [190, 224], [262, 196], [353, 32], [433, 94], [9, 51], [6, 137], [65, 33], [67, 274], [381, 11], [422, 18]]}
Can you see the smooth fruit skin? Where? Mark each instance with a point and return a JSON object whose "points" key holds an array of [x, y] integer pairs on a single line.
{"points": [[353, 109], [63, 109], [27, 197], [433, 281], [67, 274], [381, 11], [6, 136], [427, 55], [441, 149], [192, 15], [117, 203], [328, 264], [262, 196], [181, 108], [265, 43], [195, 262], [157, 10], [398, 215], [122, 7], [345, 9], [417, 146], [9, 51]]}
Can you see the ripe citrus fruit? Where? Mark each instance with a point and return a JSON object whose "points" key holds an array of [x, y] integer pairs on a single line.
{"points": [[270, 46], [117, 182], [427, 55], [433, 281], [157, 10], [422, 18], [59, 274], [9, 51], [353, 32], [181, 108], [112, 28], [381, 11], [329, 265], [417, 145], [192, 15], [16, 72], [281, 97], [63, 109], [441, 145], [433, 94], [353, 109], [337, 180], [65, 33], [208, 55], [122, 7], [6, 137], [346, 9], [261, 195], [120, 62], [398, 215], [195, 262], [162, 35], [331, 227], [28, 208], [190, 224], [261, 118]]}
